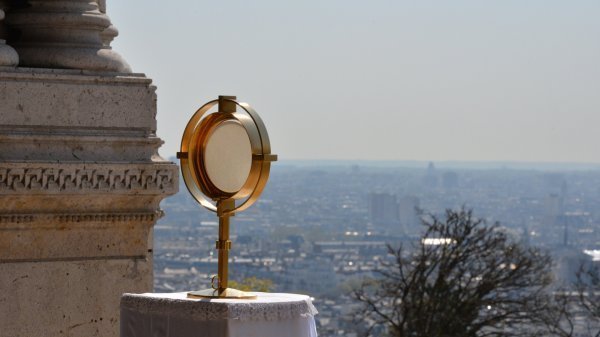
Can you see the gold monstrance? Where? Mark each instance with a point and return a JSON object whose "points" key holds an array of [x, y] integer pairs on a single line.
{"points": [[225, 157]]}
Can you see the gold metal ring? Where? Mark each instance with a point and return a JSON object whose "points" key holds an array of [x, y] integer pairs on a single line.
{"points": [[193, 143]]}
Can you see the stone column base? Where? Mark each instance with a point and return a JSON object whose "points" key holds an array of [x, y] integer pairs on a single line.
{"points": [[80, 187]]}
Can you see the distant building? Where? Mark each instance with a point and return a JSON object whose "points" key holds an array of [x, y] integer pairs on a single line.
{"points": [[383, 209], [526, 237], [408, 216], [578, 227], [315, 276], [450, 180], [554, 220], [553, 208], [431, 177]]}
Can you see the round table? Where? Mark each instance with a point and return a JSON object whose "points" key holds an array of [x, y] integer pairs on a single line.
{"points": [[176, 315]]}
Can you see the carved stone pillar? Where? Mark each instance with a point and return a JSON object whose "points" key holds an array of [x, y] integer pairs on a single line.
{"points": [[8, 56], [80, 187], [69, 34], [109, 33], [80, 175]]}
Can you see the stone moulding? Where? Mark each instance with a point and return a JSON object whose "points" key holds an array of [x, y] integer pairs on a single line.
{"points": [[81, 178], [72, 76], [70, 102], [83, 218], [17, 218]]}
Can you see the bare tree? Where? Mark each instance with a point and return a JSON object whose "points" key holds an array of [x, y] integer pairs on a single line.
{"points": [[463, 279], [559, 317], [587, 304], [576, 306]]}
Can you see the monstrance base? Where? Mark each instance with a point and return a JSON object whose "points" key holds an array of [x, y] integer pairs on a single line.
{"points": [[227, 293]]}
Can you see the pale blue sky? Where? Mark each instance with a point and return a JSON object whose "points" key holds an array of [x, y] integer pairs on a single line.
{"points": [[384, 80]]}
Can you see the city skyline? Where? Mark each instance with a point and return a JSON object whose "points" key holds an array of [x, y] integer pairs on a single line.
{"points": [[318, 229]]}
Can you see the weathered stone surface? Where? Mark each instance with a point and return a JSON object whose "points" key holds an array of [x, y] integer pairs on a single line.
{"points": [[8, 56], [25, 143], [74, 102], [68, 34], [43, 237], [68, 297], [80, 186]]}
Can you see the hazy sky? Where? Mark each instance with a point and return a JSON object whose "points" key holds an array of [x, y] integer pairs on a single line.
{"points": [[398, 80]]}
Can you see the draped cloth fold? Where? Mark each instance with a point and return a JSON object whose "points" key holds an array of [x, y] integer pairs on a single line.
{"points": [[170, 315]]}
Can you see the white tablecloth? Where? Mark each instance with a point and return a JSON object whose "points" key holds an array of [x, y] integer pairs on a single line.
{"points": [[175, 315]]}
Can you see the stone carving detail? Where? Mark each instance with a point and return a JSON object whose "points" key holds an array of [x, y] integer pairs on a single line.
{"points": [[72, 34], [82, 218], [113, 217], [65, 179], [8, 56], [16, 218]]}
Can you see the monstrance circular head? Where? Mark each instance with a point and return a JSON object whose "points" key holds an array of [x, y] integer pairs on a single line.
{"points": [[225, 155]]}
